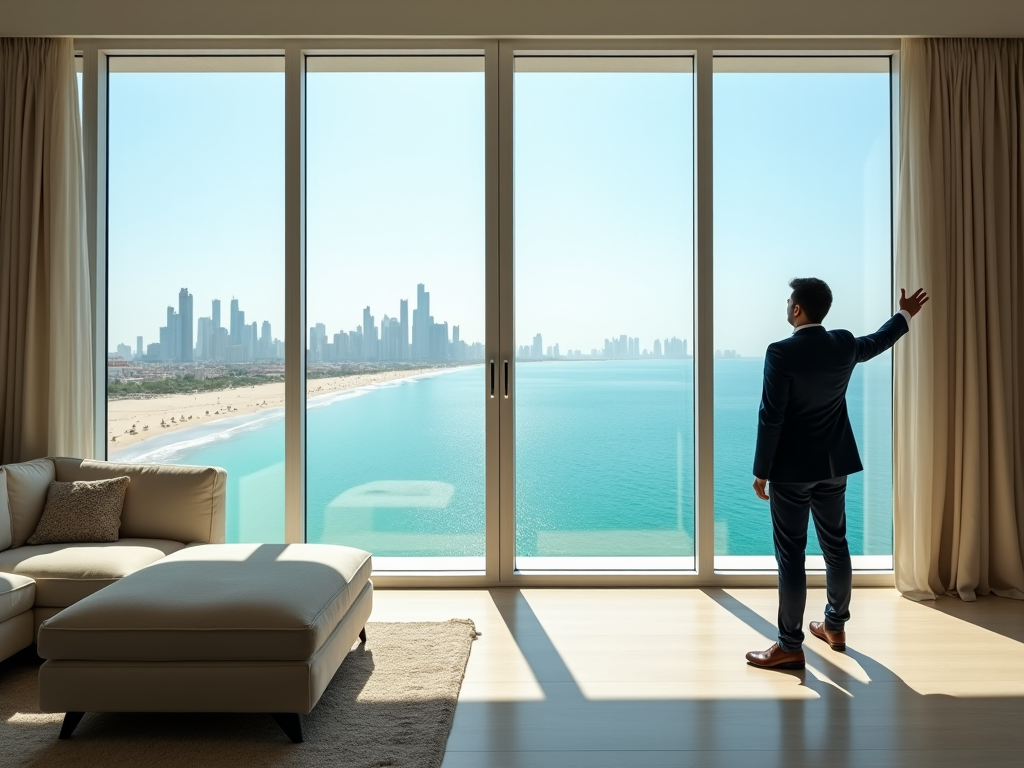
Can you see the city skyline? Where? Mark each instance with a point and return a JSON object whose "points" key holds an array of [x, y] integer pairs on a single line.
{"points": [[183, 340], [394, 339], [621, 347]]}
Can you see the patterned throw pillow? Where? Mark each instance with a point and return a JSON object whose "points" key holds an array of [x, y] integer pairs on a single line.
{"points": [[81, 511]]}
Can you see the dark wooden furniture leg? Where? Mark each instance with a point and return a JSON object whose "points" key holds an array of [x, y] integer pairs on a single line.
{"points": [[362, 635], [71, 721], [291, 724]]}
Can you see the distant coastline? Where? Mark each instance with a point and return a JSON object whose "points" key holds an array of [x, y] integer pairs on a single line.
{"points": [[185, 416]]}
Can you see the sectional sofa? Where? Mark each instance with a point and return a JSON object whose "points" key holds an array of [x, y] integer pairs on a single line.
{"points": [[166, 509]]}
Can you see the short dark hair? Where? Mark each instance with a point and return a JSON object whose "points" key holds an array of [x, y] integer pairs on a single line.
{"points": [[813, 295]]}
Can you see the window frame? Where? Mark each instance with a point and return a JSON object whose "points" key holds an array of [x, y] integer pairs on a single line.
{"points": [[499, 268]]}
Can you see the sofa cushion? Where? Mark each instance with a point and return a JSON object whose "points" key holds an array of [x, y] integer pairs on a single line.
{"points": [[5, 513], [222, 602], [163, 501], [17, 594], [27, 484], [81, 511], [65, 573]]}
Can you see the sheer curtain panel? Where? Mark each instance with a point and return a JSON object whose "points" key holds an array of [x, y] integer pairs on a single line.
{"points": [[46, 405], [959, 378]]}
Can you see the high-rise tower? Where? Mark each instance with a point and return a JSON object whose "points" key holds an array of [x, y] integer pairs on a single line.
{"points": [[369, 336], [185, 339], [236, 324], [403, 331], [421, 324]]}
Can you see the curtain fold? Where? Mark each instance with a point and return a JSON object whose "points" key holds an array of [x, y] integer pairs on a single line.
{"points": [[959, 473], [46, 352]]}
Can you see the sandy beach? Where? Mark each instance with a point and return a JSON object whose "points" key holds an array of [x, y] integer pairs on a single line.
{"points": [[163, 414]]}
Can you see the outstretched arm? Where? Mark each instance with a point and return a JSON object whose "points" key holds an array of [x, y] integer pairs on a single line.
{"points": [[878, 342]]}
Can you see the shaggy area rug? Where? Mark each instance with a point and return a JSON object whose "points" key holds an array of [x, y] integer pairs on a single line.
{"points": [[391, 704]]}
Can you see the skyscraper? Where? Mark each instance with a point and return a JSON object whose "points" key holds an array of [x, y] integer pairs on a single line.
{"points": [[438, 341], [370, 351], [139, 349], [317, 342], [204, 339], [403, 330], [236, 324], [215, 315], [537, 353], [390, 338], [185, 340], [220, 345], [170, 337], [421, 324], [266, 341]]}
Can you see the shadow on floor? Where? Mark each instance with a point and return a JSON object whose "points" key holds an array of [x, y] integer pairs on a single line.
{"points": [[848, 722], [1002, 615]]}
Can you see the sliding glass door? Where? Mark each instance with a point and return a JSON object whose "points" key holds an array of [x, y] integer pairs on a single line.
{"points": [[195, 263], [395, 308], [603, 393], [802, 189]]}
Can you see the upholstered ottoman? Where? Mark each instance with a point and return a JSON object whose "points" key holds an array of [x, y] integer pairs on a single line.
{"points": [[210, 628]]}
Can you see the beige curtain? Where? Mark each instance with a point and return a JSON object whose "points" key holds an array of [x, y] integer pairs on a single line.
{"points": [[46, 353], [959, 381]]}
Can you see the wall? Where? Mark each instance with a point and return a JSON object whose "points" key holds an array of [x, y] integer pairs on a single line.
{"points": [[512, 18]]}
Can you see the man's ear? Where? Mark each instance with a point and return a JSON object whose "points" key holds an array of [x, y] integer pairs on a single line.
{"points": [[797, 310]]}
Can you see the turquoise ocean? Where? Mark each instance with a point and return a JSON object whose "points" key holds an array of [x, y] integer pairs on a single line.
{"points": [[604, 463]]}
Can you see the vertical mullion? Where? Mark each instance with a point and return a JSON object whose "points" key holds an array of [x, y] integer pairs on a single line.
{"points": [[295, 296], [492, 196], [506, 346], [94, 149], [704, 359], [894, 268]]}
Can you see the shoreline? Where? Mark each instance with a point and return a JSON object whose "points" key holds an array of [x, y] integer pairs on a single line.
{"points": [[183, 413]]}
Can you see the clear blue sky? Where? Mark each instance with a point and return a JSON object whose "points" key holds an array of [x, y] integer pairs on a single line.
{"points": [[603, 200]]}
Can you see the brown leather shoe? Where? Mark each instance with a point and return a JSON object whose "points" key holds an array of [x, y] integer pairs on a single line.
{"points": [[835, 639], [776, 658]]}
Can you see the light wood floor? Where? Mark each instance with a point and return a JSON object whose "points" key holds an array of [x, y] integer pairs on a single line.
{"points": [[652, 678]]}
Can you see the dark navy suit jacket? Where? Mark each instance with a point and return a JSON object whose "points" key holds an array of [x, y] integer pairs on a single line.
{"points": [[803, 429]]}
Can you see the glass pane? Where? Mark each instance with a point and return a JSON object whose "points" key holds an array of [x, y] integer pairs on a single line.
{"points": [[603, 153], [802, 189], [395, 308], [195, 275]]}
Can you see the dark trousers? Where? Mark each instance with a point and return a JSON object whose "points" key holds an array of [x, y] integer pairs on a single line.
{"points": [[826, 502]]}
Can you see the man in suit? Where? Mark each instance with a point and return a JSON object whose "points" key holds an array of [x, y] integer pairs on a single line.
{"points": [[805, 450]]}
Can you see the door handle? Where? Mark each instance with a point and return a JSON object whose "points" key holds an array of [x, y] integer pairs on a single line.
{"points": [[492, 378], [506, 379]]}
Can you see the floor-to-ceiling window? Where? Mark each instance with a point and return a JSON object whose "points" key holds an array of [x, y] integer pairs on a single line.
{"points": [[395, 308], [416, 323], [195, 261], [802, 189], [603, 226]]}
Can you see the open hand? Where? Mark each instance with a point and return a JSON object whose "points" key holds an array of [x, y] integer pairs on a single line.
{"points": [[913, 304], [759, 488]]}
